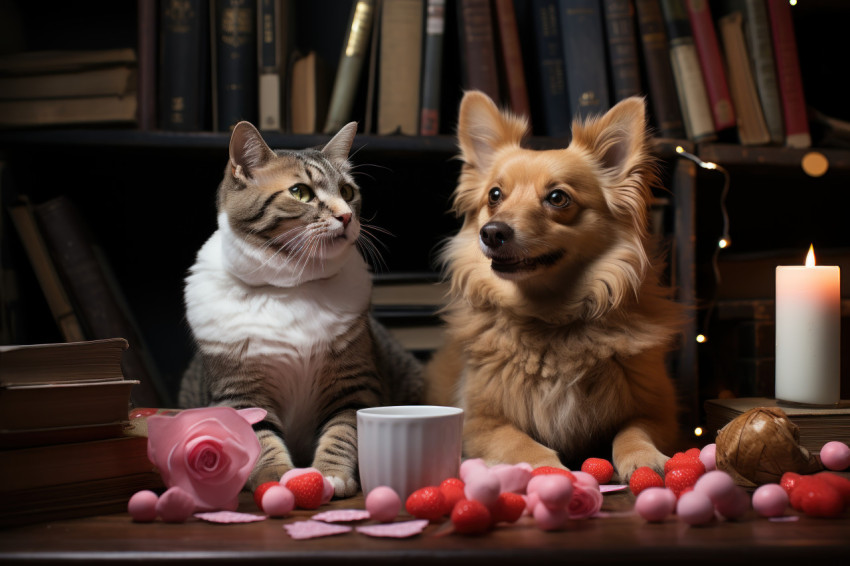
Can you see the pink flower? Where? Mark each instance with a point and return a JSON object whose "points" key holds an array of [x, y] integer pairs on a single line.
{"points": [[586, 501], [208, 452]]}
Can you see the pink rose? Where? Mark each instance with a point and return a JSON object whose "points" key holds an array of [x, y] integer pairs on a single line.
{"points": [[208, 452], [585, 502]]}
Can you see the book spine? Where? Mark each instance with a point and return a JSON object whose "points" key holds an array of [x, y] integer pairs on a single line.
{"points": [[432, 67], [550, 67], [711, 63], [623, 58], [236, 62], [478, 48], [350, 67], [693, 98], [760, 47], [511, 51], [584, 57], [147, 52], [93, 292], [269, 59], [789, 75], [400, 67], [181, 53], [752, 129], [666, 113]]}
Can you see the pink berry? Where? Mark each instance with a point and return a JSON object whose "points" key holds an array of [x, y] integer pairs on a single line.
{"points": [[835, 456], [278, 501], [717, 485], [552, 490], [655, 503], [695, 508], [142, 506], [708, 457], [175, 505], [483, 486], [770, 500], [383, 504], [550, 519]]}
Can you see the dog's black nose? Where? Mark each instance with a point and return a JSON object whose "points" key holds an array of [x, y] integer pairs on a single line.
{"points": [[495, 234]]}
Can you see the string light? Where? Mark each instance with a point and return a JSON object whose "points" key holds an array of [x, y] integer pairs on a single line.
{"points": [[724, 242], [698, 431]]}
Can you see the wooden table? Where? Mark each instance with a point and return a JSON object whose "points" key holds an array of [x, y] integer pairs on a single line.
{"points": [[620, 537]]}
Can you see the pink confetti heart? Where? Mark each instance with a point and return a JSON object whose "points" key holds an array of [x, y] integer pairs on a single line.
{"points": [[226, 517], [341, 515], [394, 530], [314, 529], [608, 488]]}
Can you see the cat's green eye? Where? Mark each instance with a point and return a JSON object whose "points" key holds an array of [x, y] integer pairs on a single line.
{"points": [[346, 192], [302, 192]]}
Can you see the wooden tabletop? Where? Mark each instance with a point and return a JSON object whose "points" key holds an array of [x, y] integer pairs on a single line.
{"points": [[618, 537]]}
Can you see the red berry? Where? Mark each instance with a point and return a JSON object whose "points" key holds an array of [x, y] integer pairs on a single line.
{"points": [[452, 490], [693, 452], [682, 478], [599, 468], [261, 490], [643, 478], [543, 470], [308, 489], [788, 481], [508, 508], [470, 517], [839, 483], [426, 503], [681, 459], [817, 498]]}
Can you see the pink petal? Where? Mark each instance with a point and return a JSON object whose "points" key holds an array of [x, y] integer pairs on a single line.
{"points": [[313, 529], [611, 487], [341, 515], [394, 530], [226, 517], [252, 415]]}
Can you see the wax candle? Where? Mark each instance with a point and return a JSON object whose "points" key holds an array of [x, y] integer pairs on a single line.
{"points": [[808, 327]]}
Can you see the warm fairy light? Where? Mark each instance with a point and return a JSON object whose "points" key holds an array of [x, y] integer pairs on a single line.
{"points": [[810, 257], [701, 338], [698, 431], [723, 243]]}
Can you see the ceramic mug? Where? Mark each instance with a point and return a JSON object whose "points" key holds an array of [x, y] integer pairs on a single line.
{"points": [[407, 447]]}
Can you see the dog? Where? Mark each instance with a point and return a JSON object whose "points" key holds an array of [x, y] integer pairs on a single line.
{"points": [[557, 326]]}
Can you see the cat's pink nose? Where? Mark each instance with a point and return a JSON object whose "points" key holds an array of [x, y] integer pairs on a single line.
{"points": [[345, 219]]}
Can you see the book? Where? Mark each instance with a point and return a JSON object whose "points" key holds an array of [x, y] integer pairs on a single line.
{"points": [[275, 31], [712, 64], [147, 30], [349, 70], [399, 76], [62, 362], [46, 272], [623, 54], [59, 61], [64, 404], [760, 48], [693, 97], [817, 426], [512, 67], [65, 111], [665, 113], [234, 46], [100, 305], [584, 57], [752, 128], [552, 81], [309, 94], [789, 75], [184, 65], [432, 68], [106, 81], [479, 65]]}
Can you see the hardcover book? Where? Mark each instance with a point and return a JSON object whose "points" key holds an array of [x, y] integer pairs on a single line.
{"points": [[400, 61], [183, 65], [711, 63], [234, 63], [275, 33], [478, 47], [584, 57], [554, 100], [432, 68], [760, 49], [623, 54], [510, 49]]}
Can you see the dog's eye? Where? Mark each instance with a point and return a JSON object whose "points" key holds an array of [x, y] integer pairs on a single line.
{"points": [[495, 195], [559, 198]]}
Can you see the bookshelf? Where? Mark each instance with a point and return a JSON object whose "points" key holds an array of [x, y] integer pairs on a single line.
{"points": [[148, 194]]}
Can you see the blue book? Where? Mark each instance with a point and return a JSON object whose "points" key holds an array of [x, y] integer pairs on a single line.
{"points": [[583, 35], [552, 84]]}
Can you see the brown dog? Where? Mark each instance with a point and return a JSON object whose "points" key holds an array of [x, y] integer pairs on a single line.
{"points": [[557, 326]]}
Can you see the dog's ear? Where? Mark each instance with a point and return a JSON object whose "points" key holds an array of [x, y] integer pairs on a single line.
{"points": [[483, 129]]}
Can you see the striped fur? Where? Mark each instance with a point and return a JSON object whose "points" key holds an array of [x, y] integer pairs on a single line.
{"points": [[278, 303]]}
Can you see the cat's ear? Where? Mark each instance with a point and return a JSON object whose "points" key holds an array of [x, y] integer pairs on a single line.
{"points": [[483, 129], [248, 150], [338, 148]]}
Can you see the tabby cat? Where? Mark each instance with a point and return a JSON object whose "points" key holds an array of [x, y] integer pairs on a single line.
{"points": [[278, 303]]}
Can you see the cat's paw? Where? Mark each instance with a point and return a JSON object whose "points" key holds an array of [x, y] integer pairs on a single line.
{"points": [[343, 486], [266, 474]]}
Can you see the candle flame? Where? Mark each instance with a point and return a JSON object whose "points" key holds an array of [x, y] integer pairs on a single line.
{"points": [[810, 257]]}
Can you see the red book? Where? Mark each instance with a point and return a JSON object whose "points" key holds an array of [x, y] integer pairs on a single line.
{"points": [[711, 62], [514, 73], [788, 75]]}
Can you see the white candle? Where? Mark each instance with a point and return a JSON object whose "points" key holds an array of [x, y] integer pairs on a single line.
{"points": [[808, 327]]}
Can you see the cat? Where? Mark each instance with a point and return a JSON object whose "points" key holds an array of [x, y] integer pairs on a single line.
{"points": [[278, 302]]}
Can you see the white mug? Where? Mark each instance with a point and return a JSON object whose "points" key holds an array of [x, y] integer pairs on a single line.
{"points": [[408, 447]]}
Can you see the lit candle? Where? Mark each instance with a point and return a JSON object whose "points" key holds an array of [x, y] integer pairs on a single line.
{"points": [[808, 327]]}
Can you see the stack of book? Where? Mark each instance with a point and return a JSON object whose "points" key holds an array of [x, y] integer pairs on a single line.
{"points": [[40, 88], [68, 447], [408, 306], [817, 426]]}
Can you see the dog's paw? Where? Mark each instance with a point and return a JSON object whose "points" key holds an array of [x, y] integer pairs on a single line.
{"points": [[626, 465]]}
